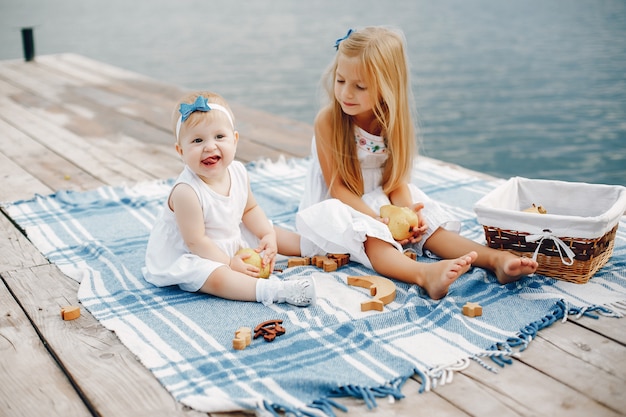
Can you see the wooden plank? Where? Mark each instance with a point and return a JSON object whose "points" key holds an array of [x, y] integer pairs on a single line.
{"points": [[110, 378], [7, 89], [49, 168], [287, 136], [14, 77], [582, 360], [15, 250], [18, 184], [101, 165], [478, 399], [31, 383], [159, 161], [610, 327], [281, 134], [532, 392]]}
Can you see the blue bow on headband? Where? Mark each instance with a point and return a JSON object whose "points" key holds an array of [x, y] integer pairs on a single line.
{"points": [[201, 104], [338, 41]]}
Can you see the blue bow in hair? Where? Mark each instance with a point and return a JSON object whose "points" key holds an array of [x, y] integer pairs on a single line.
{"points": [[201, 104], [338, 41]]}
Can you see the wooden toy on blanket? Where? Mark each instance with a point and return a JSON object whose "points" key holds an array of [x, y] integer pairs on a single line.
{"points": [[401, 220], [382, 289], [269, 330], [472, 309], [243, 338], [329, 262]]}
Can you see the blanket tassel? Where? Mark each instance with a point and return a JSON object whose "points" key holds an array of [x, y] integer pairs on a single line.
{"points": [[501, 353], [369, 395]]}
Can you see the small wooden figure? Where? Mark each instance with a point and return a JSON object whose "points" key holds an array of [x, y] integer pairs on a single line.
{"points": [[472, 309], [70, 312], [243, 338], [382, 289], [291, 262]]}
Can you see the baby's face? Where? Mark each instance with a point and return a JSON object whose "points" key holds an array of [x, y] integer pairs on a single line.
{"points": [[208, 146]]}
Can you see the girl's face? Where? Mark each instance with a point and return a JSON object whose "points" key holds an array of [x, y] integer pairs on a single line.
{"points": [[209, 147], [351, 91]]}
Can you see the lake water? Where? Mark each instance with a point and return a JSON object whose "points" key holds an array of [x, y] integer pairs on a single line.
{"points": [[534, 88]]}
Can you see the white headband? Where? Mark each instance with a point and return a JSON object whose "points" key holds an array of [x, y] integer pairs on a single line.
{"points": [[201, 104]]}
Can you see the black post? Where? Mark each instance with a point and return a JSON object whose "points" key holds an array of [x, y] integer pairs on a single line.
{"points": [[28, 43]]}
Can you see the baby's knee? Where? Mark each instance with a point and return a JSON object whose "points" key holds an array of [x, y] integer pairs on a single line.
{"points": [[216, 281]]}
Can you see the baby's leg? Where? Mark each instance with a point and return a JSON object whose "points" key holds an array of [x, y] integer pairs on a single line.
{"points": [[507, 266], [229, 284], [434, 278], [233, 285]]}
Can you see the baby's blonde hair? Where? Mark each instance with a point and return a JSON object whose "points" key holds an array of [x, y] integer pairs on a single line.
{"points": [[385, 71], [197, 116]]}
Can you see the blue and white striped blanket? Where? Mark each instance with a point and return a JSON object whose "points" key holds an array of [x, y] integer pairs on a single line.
{"points": [[331, 349]]}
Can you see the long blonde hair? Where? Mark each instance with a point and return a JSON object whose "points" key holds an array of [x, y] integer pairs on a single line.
{"points": [[385, 69]]}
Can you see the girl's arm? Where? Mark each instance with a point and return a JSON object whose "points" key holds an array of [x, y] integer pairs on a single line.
{"points": [[401, 196], [325, 155], [190, 219]]}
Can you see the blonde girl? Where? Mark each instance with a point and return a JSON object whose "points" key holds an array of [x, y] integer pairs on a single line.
{"points": [[362, 156]]}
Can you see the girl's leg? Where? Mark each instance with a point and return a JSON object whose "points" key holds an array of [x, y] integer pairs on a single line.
{"points": [[507, 266], [435, 278]]}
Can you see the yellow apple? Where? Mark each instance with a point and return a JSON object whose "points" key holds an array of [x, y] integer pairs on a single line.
{"points": [[401, 220], [536, 209], [255, 260]]}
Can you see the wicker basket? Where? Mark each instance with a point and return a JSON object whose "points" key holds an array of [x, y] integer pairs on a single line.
{"points": [[590, 211], [590, 254]]}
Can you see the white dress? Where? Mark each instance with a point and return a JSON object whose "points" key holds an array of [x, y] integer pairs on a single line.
{"points": [[168, 259], [335, 227]]}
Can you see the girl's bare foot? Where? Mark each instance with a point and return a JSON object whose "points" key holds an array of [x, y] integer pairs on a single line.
{"points": [[440, 275], [513, 267]]}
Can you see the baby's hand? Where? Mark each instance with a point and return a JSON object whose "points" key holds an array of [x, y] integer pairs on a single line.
{"points": [[237, 263], [268, 247]]}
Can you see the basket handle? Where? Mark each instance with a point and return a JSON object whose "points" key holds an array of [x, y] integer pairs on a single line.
{"points": [[547, 234]]}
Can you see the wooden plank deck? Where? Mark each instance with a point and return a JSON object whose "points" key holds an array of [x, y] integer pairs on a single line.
{"points": [[68, 122]]}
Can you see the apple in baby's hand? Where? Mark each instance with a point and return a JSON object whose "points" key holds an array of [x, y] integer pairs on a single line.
{"points": [[401, 220], [255, 260]]}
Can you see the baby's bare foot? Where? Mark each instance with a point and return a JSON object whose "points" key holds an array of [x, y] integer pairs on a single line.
{"points": [[440, 275], [514, 267]]}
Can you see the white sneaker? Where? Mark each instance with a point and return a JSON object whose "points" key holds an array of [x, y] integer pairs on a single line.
{"points": [[298, 292]]}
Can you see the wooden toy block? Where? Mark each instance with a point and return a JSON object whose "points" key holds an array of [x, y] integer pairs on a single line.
{"points": [[291, 262], [243, 338], [472, 309], [382, 289], [329, 265], [410, 254], [341, 258], [70, 312], [269, 330], [318, 260]]}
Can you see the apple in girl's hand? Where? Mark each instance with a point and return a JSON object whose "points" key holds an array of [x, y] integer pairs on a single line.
{"points": [[401, 220], [255, 260]]}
